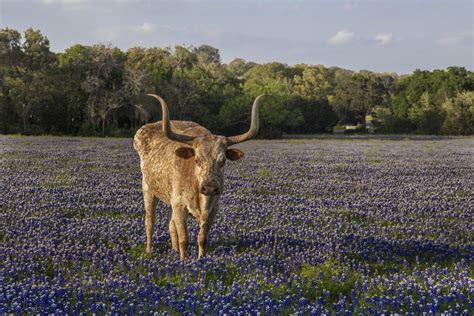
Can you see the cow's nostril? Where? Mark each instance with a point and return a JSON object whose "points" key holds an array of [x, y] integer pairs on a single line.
{"points": [[209, 190]]}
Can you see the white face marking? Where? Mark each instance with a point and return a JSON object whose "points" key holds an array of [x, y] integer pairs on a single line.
{"points": [[221, 159], [210, 161]]}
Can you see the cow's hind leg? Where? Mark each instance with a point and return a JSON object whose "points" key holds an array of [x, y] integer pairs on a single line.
{"points": [[178, 217], [150, 206]]}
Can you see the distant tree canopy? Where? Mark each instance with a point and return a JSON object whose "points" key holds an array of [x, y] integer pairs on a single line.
{"points": [[101, 90]]}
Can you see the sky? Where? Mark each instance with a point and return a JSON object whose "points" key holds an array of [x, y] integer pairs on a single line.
{"points": [[384, 36]]}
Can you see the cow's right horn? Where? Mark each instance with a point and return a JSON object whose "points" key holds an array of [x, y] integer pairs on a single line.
{"points": [[167, 125], [254, 124]]}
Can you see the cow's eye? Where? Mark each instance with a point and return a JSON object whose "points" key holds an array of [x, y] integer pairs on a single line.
{"points": [[198, 162], [221, 160]]}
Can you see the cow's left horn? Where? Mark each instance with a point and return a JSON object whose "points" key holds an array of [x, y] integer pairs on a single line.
{"points": [[254, 123], [167, 124]]}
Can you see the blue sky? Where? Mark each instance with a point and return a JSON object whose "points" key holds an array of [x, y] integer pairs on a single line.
{"points": [[383, 36]]}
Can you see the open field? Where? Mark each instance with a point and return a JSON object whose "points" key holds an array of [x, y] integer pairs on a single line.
{"points": [[305, 226]]}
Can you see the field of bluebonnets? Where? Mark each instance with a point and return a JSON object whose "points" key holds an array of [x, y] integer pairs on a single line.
{"points": [[315, 227]]}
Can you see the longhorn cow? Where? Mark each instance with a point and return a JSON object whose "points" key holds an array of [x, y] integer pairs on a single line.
{"points": [[182, 164]]}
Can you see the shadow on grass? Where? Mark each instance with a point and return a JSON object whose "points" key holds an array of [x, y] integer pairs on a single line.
{"points": [[370, 136], [415, 252]]}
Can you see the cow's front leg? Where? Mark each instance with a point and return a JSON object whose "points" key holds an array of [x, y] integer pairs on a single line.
{"points": [[202, 238], [204, 227], [150, 206], [179, 217], [174, 236]]}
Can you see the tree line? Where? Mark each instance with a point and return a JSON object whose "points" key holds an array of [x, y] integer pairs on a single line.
{"points": [[101, 90]]}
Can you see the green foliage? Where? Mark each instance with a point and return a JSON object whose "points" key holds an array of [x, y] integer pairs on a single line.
{"points": [[101, 90], [314, 83], [10, 47], [426, 115], [239, 67], [388, 122], [459, 114], [317, 115], [417, 102], [357, 97], [264, 172], [325, 276], [208, 55]]}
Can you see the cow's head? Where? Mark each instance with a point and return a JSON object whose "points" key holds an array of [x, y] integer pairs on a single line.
{"points": [[210, 152]]}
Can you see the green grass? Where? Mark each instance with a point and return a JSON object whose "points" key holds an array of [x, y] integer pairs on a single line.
{"points": [[10, 154], [88, 166], [295, 141], [114, 214], [264, 172], [461, 194], [327, 276], [82, 213], [374, 160], [342, 167], [138, 252], [61, 180], [172, 279], [353, 216]]}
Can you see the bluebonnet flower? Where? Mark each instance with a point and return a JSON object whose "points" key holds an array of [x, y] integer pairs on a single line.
{"points": [[326, 231]]}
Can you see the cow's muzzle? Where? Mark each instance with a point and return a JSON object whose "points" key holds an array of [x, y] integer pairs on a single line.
{"points": [[209, 189]]}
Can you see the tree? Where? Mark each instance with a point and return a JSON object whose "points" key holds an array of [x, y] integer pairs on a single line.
{"points": [[101, 90], [104, 84], [207, 54], [31, 85], [75, 64], [426, 116], [36, 50], [239, 67], [358, 96], [313, 90], [11, 59], [459, 114], [317, 116], [280, 114], [11, 54], [184, 57], [313, 83], [183, 94]]}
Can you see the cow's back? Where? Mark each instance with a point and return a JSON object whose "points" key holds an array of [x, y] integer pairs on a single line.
{"points": [[151, 135], [159, 163]]}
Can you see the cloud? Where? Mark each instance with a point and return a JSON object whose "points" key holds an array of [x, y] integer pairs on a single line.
{"points": [[107, 33], [455, 39], [83, 4], [111, 33], [341, 37], [346, 36], [74, 2], [144, 28], [383, 38], [123, 33], [296, 7], [349, 5], [66, 2]]}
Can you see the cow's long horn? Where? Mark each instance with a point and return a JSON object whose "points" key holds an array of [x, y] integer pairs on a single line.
{"points": [[254, 123], [167, 125]]}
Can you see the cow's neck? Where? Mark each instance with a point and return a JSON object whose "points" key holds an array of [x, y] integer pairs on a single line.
{"points": [[202, 206]]}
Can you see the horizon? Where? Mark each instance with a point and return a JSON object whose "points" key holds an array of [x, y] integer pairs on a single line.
{"points": [[355, 35]]}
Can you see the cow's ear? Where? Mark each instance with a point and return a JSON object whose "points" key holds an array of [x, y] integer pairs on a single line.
{"points": [[234, 154], [184, 152]]}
